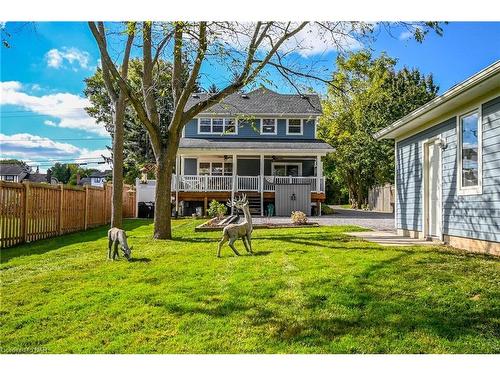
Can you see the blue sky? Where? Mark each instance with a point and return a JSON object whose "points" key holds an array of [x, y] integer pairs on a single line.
{"points": [[42, 81]]}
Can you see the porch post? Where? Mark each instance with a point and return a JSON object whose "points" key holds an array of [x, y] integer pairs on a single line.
{"points": [[319, 174], [233, 184], [177, 167], [261, 184]]}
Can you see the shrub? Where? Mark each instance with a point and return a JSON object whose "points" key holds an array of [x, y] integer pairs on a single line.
{"points": [[326, 210], [298, 217], [217, 209]]}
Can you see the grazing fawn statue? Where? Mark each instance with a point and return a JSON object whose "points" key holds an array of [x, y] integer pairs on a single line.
{"points": [[241, 230], [118, 237]]}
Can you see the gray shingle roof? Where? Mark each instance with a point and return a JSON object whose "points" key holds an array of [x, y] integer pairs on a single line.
{"points": [[12, 169], [41, 177], [261, 101], [248, 144]]}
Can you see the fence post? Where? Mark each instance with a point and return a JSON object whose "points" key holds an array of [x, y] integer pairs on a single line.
{"points": [[26, 210], [104, 204], [86, 206], [61, 200]]}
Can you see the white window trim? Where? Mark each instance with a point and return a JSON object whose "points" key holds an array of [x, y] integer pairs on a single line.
{"points": [[286, 163], [210, 161], [471, 190], [223, 126], [275, 125], [301, 126]]}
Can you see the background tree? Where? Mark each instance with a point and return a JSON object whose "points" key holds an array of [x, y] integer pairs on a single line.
{"points": [[137, 148], [62, 172], [378, 95], [244, 51]]}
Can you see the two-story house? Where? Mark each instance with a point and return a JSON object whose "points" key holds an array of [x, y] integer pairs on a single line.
{"points": [[252, 143]]}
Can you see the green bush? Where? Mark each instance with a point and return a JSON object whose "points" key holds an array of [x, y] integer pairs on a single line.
{"points": [[217, 209], [326, 210]]}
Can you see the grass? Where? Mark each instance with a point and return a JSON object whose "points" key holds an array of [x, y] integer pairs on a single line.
{"points": [[310, 290]]}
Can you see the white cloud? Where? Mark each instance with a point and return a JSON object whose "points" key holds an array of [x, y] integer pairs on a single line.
{"points": [[49, 123], [55, 58], [312, 40], [35, 149], [67, 108], [405, 35]]}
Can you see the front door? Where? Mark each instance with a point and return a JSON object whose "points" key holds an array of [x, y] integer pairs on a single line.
{"points": [[432, 190]]}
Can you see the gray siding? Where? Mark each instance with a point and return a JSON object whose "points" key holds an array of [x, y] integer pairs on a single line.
{"points": [[251, 129], [473, 216]]}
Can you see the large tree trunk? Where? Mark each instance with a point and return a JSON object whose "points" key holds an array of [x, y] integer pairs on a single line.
{"points": [[117, 199], [163, 195]]}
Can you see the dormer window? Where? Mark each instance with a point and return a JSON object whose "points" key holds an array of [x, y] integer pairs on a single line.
{"points": [[268, 126], [294, 127], [216, 125]]}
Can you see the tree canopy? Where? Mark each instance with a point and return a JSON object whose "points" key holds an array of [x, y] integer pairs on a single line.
{"points": [[370, 95]]}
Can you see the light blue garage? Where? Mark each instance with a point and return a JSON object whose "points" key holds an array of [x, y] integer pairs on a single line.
{"points": [[448, 166]]}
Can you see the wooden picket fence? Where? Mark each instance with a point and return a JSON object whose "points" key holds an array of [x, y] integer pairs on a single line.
{"points": [[33, 211]]}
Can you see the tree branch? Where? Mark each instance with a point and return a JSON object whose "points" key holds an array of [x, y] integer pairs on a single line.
{"points": [[136, 103]]}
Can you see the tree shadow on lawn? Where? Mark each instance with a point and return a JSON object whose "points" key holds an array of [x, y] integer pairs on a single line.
{"points": [[55, 243], [376, 317]]}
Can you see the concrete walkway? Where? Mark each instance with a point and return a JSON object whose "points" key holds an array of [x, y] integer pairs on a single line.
{"points": [[391, 239]]}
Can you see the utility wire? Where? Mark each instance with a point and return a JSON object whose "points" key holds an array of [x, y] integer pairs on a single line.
{"points": [[54, 139]]}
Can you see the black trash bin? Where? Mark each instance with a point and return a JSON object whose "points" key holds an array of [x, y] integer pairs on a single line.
{"points": [[151, 210], [146, 210]]}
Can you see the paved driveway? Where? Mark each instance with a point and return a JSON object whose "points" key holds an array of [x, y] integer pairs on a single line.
{"points": [[367, 219]]}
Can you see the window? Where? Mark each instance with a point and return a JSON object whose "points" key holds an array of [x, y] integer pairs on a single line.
{"points": [[9, 178], [268, 126], [208, 125], [469, 153], [287, 169], [215, 168], [204, 168], [294, 126], [205, 125]]}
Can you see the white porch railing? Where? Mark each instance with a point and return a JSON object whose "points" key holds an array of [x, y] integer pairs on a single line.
{"points": [[241, 183], [247, 183]]}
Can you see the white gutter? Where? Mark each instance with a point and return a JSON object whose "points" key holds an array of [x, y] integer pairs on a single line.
{"points": [[452, 93]]}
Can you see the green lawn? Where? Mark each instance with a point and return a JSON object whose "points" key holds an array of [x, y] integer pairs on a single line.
{"points": [[308, 290]]}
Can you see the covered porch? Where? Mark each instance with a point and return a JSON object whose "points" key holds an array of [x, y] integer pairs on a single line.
{"points": [[203, 177], [246, 173]]}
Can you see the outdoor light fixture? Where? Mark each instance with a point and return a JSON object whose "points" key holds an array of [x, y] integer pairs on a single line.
{"points": [[442, 143]]}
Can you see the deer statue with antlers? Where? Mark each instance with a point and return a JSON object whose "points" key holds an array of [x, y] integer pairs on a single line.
{"points": [[241, 230]]}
